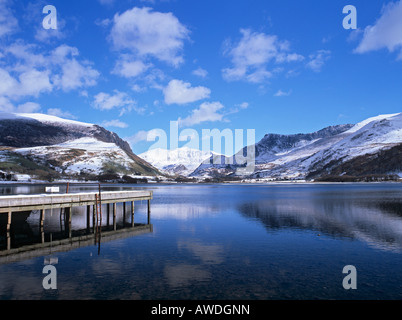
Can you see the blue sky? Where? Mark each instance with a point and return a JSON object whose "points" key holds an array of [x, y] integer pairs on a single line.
{"points": [[284, 66]]}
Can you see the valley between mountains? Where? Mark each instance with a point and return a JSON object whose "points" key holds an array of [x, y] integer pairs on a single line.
{"points": [[38, 147]]}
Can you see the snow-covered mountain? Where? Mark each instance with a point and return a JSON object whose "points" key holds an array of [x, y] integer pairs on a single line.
{"points": [[371, 147], [38, 146], [274, 148], [182, 161]]}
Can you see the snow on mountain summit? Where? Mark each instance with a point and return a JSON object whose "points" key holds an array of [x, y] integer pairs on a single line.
{"points": [[376, 142], [182, 161], [44, 118], [380, 117], [369, 137], [50, 147]]}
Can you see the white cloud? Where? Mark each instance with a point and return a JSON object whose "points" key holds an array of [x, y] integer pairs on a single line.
{"points": [[24, 57], [180, 92], [7, 83], [355, 35], [252, 54], [146, 33], [118, 100], [243, 105], [45, 35], [258, 76], [60, 113], [318, 59], [6, 105], [207, 112], [8, 23], [103, 23], [237, 108], [105, 101], [114, 123], [30, 72], [140, 136], [33, 83], [27, 107], [130, 68], [386, 33], [137, 88], [200, 72], [29, 83], [74, 74], [281, 93]]}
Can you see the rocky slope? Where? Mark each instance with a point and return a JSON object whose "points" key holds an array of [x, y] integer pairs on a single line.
{"points": [[182, 161], [369, 150], [36, 146]]}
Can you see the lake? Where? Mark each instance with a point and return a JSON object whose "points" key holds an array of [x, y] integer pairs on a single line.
{"points": [[226, 241]]}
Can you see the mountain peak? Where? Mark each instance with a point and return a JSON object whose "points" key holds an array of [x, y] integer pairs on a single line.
{"points": [[181, 161], [381, 117], [49, 146], [44, 118]]}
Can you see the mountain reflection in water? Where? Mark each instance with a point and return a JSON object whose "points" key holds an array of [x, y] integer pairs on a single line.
{"points": [[228, 241], [376, 221]]}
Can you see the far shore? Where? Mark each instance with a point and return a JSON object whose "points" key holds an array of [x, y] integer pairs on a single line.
{"points": [[243, 182]]}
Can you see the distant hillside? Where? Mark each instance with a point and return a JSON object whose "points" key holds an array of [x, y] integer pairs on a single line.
{"points": [[367, 151], [182, 161], [271, 148], [37, 146]]}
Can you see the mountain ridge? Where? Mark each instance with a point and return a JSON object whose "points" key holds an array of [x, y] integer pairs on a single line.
{"points": [[321, 154], [49, 147]]}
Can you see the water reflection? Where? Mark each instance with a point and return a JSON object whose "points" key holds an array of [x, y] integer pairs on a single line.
{"points": [[183, 211], [209, 243], [183, 274], [206, 253], [28, 238], [15, 189], [378, 223]]}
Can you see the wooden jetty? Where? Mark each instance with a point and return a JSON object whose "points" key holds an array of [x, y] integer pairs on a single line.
{"points": [[12, 205], [19, 203], [63, 245]]}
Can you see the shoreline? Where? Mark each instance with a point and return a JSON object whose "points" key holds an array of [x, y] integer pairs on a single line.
{"points": [[286, 182]]}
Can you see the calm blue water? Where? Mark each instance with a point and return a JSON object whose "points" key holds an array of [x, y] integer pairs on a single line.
{"points": [[231, 242]]}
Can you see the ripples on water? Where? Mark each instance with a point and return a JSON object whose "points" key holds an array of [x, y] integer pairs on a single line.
{"points": [[228, 242]]}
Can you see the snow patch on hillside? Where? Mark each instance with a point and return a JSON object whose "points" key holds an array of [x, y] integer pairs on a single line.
{"points": [[87, 155], [182, 161], [44, 118]]}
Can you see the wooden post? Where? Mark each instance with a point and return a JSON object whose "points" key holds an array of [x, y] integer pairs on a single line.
{"points": [[149, 211], [107, 214], [69, 215], [88, 218], [8, 240], [124, 214], [93, 217], [97, 209], [132, 213], [67, 221], [9, 214], [41, 229], [42, 217], [42, 234], [9, 221], [100, 204], [114, 216]]}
